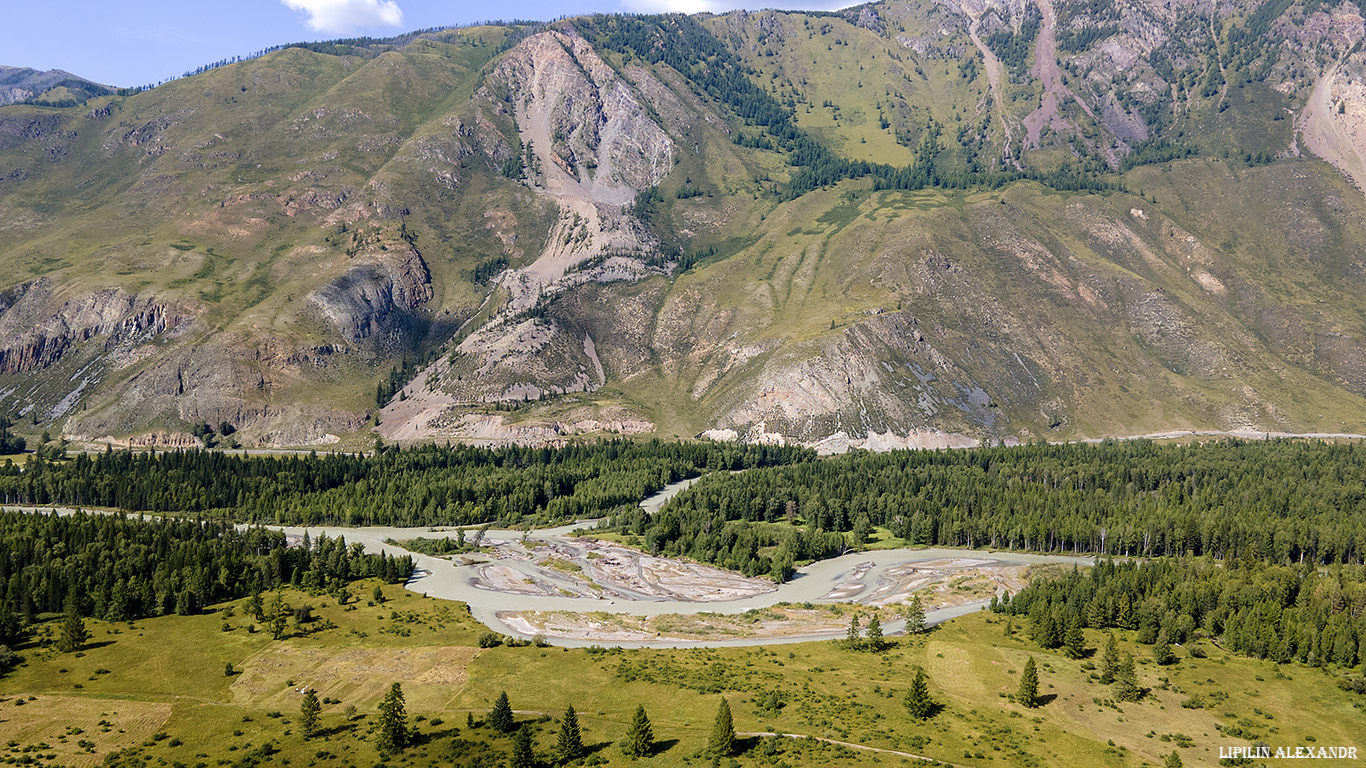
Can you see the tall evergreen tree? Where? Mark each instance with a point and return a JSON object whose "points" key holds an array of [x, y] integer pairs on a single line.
{"points": [[915, 615], [918, 701], [1109, 661], [1162, 649], [391, 727], [523, 753], [874, 634], [1172, 760], [74, 633], [309, 711], [1126, 681], [569, 747], [277, 616], [640, 737], [1074, 642], [500, 717], [722, 740], [1028, 695], [853, 640]]}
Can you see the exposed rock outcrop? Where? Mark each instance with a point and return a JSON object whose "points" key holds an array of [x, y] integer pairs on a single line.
{"points": [[35, 334]]}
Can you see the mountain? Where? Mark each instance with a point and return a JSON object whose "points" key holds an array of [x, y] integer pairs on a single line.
{"points": [[897, 224], [53, 87]]}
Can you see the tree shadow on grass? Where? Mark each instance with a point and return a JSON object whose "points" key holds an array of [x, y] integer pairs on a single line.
{"points": [[591, 749], [1044, 699], [661, 746]]}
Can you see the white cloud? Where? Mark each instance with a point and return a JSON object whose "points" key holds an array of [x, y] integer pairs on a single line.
{"points": [[341, 16]]}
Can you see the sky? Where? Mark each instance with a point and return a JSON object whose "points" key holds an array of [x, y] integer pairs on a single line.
{"points": [[146, 41]]}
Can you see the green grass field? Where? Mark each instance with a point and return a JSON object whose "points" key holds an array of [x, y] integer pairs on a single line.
{"points": [[158, 687]]}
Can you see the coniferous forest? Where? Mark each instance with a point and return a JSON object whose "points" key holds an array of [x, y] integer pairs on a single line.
{"points": [[429, 485], [120, 568], [1280, 501], [1285, 613]]}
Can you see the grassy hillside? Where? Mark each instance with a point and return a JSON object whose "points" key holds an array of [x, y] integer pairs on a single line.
{"points": [[129, 689]]}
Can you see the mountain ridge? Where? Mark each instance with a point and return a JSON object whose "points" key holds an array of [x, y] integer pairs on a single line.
{"points": [[678, 226]]}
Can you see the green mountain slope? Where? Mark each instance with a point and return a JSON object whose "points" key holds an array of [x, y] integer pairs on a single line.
{"points": [[897, 224]]}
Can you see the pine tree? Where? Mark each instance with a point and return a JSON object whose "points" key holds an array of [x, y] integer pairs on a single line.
{"points": [[1126, 681], [1009, 629], [1028, 695], [853, 641], [722, 741], [500, 717], [378, 595], [640, 738], [1109, 662], [1172, 760], [74, 633], [1074, 642], [569, 747], [874, 634], [1162, 649], [523, 754], [918, 701], [277, 616], [915, 616], [256, 607], [392, 725], [308, 713]]}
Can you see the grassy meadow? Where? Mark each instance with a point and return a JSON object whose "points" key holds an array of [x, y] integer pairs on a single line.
{"points": [[157, 690]]}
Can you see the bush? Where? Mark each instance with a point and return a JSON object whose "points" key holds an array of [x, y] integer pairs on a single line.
{"points": [[490, 640]]}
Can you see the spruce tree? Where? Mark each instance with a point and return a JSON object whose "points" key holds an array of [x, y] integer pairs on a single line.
{"points": [[874, 634], [392, 726], [1109, 662], [915, 616], [378, 595], [1074, 642], [500, 717], [523, 754], [569, 747], [918, 701], [722, 741], [1172, 760], [853, 641], [640, 738], [1162, 649], [277, 616], [309, 711], [74, 633], [1028, 695], [1126, 681]]}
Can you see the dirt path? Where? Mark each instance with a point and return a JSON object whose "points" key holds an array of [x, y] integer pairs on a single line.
{"points": [[850, 745]]}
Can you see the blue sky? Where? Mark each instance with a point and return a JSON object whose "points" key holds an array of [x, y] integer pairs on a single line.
{"points": [[146, 41]]}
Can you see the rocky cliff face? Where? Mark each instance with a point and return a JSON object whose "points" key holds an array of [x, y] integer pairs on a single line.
{"points": [[39, 328]]}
